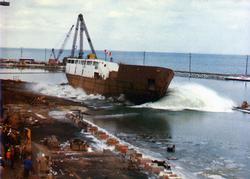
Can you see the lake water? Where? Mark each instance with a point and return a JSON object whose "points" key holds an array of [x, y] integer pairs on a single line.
{"points": [[212, 140]]}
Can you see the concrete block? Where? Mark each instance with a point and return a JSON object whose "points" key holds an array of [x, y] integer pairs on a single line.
{"points": [[121, 148], [93, 130], [112, 141], [102, 135]]}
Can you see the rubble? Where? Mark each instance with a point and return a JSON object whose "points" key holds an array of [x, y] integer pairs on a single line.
{"points": [[52, 142], [55, 150], [79, 145]]}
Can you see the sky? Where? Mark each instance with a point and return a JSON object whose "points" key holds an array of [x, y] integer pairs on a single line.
{"points": [[196, 26]]}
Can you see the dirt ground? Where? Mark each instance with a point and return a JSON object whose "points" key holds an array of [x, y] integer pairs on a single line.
{"points": [[25, 109]]}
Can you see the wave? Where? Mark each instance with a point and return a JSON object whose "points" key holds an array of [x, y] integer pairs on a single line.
{"points": [[191, 97]]}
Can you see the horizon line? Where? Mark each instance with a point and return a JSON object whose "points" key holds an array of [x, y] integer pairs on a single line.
{"points": [[201, 53]]}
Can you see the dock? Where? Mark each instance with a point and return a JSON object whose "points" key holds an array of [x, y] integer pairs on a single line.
{"points": [[30, 64], [208, 75]]}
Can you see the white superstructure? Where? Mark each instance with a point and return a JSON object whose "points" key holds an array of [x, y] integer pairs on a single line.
{"points": [[91, 68]]}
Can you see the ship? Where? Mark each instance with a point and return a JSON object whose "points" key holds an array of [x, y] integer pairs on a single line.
{"points": [[138, 83]]}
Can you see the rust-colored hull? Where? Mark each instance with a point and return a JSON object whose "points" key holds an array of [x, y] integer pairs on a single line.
{"points": [[139, 84]]}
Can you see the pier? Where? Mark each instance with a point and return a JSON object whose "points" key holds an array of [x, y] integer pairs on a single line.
{"points": [[215, 76], [30, 63], [206, 75]]}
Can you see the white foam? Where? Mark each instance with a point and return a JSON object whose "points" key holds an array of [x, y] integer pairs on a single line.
{"points": [[215, 177], [64, 91], [192, 96]]}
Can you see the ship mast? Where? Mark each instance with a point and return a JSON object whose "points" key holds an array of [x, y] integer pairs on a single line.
{"points": [[83, 28]]}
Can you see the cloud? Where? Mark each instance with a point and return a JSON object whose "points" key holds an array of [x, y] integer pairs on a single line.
{"points": [[116, 14], [152, 25]]}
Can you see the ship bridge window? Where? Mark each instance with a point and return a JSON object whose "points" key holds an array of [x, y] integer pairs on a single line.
{"points": [[76, 61], [83, 62], [89, 63], [70, 61]]}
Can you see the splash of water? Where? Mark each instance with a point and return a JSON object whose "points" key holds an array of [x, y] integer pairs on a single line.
{"points": [[192, 97], [64, 91]]}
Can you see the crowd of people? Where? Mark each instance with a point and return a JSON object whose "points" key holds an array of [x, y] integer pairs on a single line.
{"points": [[13, 151]]}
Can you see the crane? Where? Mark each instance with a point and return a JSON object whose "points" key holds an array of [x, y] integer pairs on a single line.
{"points": [[56, 58], [64, 43], [83, 28]]}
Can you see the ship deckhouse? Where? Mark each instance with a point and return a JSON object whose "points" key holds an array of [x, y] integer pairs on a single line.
{"points": [[91, 68]]}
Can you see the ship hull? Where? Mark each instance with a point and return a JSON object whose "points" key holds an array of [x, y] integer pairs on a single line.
{"points": [[139, 84]]}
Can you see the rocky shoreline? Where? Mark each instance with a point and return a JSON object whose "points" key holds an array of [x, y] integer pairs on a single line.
{"points": [[64, 141]]}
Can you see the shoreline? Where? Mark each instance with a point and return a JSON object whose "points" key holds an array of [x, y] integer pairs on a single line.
{"points": [[43, 124]]}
